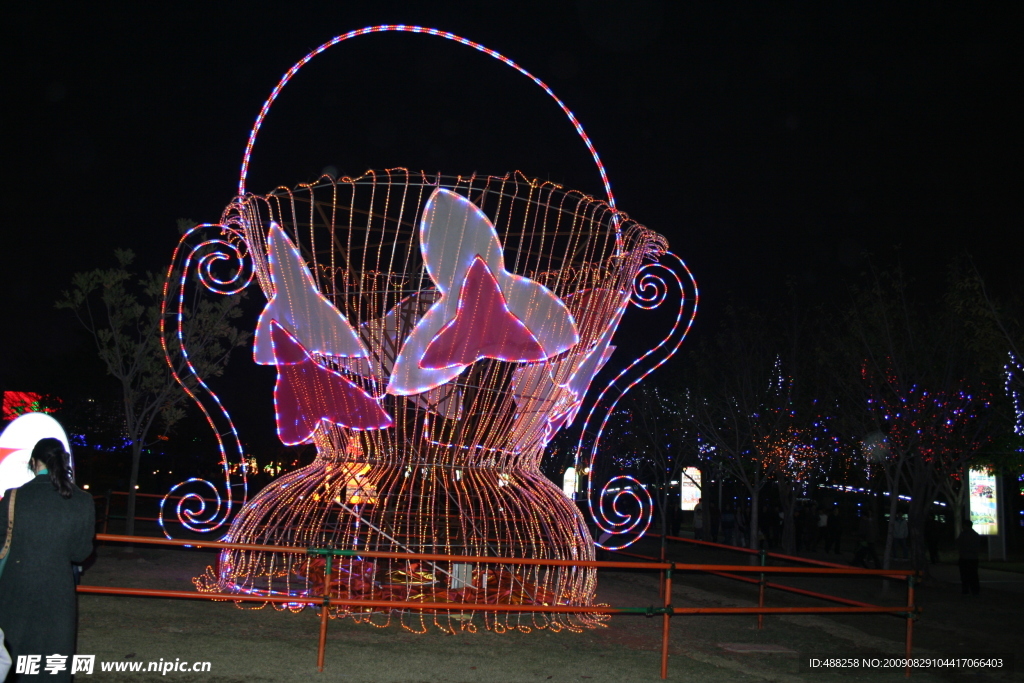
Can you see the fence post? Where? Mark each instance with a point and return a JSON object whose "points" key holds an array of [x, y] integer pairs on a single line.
{"points": [[665, 617], [910, 618], [106, 512], [760, 591], [661, 583], [324, 614]]}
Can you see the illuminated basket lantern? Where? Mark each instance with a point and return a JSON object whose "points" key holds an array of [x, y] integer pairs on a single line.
{"points": [[430, 335]]}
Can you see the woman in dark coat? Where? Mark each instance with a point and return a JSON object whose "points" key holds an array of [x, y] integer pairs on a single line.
{"points": [[54, 524]]}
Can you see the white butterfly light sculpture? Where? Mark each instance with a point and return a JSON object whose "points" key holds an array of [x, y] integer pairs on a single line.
{"points": [[298, 322], [484, 310]]}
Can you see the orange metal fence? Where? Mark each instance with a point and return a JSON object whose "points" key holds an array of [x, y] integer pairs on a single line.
{"points": [[667, 610], [904, 575], [764, 556]]}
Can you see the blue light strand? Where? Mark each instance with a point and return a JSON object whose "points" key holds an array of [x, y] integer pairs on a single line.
{"points": [[1014, 379]]}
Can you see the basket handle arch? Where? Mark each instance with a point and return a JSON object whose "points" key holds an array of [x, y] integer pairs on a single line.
{"points": [[402, 28]]}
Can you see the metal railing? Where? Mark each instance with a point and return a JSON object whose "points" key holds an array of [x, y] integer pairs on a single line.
{"points": [[667, 610]]}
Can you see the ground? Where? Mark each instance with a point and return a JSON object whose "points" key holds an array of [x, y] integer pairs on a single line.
{"points": [[267, 645]]}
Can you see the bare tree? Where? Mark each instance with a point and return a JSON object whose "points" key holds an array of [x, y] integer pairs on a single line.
{"points": [[122, 312]]}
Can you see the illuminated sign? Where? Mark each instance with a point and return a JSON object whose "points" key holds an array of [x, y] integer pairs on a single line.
{"points": [[689, 488], [984, 502], [17, 442], [569, 481]]}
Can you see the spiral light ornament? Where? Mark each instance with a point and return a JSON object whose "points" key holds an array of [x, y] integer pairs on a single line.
{"points": [[200, 506], [619, 528]]}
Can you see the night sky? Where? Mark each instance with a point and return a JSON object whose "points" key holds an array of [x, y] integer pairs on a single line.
{"points": [[767, 141]]}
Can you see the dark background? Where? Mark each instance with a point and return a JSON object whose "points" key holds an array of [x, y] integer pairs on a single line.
{"points": [[770, 142]]}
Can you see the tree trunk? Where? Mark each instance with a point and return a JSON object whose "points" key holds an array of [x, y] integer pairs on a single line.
{"points": [[894, 480], [958, 502], [705, 506], [665, 521], [787, 499], [752, 532], [918, 517], [894, 499], [133, 480]]}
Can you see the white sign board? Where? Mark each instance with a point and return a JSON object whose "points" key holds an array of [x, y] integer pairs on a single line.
{"points": [[569, 483], [984, 502], [689, 488]]}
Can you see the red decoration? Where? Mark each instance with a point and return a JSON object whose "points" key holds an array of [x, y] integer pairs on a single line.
{"points": [[20, 402], [483, 327], [308, 393], [4, 452]]}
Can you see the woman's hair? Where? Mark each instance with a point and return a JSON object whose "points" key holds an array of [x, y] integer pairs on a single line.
{"points": [[51, 453]]}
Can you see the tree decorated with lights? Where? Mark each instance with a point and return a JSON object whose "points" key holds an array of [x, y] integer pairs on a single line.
{"points": [[928, 410], [751, 403], [995, 337], [742, 414], [800, 453]]}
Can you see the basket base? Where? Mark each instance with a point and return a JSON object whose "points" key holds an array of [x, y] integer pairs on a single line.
{"points": [[421, 509]]}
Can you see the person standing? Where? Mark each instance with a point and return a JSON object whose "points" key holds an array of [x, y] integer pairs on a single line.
{"points": [[728, 523], [822, 532], [834, 531], [968, 544], [698, 520], [931, 537], [53, 527], [900, 532], [742, 520], [868, 533]]}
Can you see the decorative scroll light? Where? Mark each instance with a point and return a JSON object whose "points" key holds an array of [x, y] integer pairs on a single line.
{"points": [[431, 334], [625, 510]]}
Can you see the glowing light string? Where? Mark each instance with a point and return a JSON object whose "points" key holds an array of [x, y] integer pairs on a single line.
{"points": [[483, 327], [650, 293], [583, 373], [229, 245], [386, 334], [1014, 381], [431, 32], [554, 392]]}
